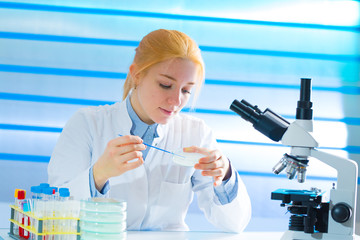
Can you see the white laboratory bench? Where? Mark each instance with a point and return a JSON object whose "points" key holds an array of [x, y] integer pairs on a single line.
{"points": [[268, 231], [197, 222], [153, 235]]}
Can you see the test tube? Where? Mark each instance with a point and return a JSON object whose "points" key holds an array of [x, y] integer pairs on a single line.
{"points": [[48, 200], [35, 199], [39, 209], [16, 213], [19, 201], [32, 203], [55, 193], [35, 192], [63, 207], [26, 219], [75, 212]]}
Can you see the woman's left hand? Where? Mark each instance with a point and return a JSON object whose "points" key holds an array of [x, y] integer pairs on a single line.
{"points": [[213, 164]]}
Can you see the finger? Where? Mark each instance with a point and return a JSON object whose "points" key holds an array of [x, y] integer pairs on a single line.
{"points": [[212, 156], [130, 156], [130, 148], [207, 159], [214, 173], [210, 165], [124, 140], [135, 164], [217, 181], [195, 149], [117, 151]]}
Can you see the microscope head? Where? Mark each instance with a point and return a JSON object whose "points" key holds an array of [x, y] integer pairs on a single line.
{"points": [[275, 127]]}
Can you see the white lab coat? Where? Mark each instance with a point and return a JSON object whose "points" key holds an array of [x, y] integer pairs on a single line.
{"points": [[159, 192]]}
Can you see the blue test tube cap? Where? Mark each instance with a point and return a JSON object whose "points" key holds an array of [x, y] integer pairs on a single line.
{"points": [[26, 207], [64, 192], [48, 191], [35, 189], [44, 185]]}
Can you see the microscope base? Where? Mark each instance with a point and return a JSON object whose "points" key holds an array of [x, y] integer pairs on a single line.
{"points": [[297, 235]]}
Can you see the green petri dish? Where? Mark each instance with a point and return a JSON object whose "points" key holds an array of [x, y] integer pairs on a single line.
{"points": [[106, 205], [97, 227], [89, 235], [102, 217]]}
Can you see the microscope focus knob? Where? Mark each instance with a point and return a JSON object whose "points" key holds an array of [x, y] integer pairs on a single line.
{"points": [[341, 212]]}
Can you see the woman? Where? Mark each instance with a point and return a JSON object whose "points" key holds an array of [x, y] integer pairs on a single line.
{"points": [[101, 151]]}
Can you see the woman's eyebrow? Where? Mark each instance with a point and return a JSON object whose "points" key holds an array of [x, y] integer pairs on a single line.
{"points": [[174, 79], [167, 76]]}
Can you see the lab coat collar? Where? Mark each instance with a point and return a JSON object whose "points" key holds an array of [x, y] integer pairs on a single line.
{"points": [[139, 128], [160, 131], [122, 120]]}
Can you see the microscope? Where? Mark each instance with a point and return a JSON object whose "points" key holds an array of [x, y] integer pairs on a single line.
{"points": [[311, 217]]}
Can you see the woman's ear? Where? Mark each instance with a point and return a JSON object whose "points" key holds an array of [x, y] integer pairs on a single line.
{"points": [[134, 75]]}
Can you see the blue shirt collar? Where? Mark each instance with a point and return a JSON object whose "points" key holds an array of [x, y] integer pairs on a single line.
{"points": [[139, 128]]}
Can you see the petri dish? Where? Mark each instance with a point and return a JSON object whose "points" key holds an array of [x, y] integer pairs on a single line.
{"points": [[102, 217], [114, 227], [106, 205], [188, 160], [90, 235]]}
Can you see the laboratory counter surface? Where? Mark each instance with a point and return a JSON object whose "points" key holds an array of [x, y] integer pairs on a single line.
{"points": [[155, 235]]}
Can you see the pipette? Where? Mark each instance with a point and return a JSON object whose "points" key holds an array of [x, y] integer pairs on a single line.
{"points": [[174, 154]]}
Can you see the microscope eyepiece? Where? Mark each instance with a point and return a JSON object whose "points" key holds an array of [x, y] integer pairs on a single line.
{"points": [[268, 123], [304, 105], [246, 111]]}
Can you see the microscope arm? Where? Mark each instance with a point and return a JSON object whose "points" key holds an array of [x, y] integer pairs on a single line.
{"points": [[344, 193], [347, 169]]}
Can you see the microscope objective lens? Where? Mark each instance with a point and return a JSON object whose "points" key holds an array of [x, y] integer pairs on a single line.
{"points": [[281, 165], [291, 169], [301, 174]]}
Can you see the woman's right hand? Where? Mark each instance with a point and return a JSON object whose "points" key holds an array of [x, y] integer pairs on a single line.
{"points": [[117, 159]]}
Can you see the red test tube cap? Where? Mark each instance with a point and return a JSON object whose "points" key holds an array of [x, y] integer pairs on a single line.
{"points": [[21, 194]]}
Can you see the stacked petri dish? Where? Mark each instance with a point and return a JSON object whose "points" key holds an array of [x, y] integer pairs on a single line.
{"points": [[102, 219]]}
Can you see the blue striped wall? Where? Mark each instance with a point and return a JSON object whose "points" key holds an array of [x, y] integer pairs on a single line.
{"points": [[59, 56]]}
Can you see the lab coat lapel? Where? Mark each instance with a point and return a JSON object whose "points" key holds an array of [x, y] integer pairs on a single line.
{"points": [[121, 120], [132, 184]]}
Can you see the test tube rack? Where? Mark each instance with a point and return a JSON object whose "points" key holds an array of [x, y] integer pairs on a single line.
{"points": [[39, 231]]}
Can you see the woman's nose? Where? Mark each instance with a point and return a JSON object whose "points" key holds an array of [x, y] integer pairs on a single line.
{"points": [[175, 98]]}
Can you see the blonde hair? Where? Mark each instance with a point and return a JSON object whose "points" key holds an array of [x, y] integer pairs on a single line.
{"points": [[161, 45]]}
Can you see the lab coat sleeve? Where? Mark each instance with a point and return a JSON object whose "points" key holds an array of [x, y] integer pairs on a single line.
{"points": [[227, 191], [230, 217], [71, 159]]}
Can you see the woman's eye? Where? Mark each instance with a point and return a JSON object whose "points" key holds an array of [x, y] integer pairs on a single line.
{"points": [[186, 91], [165, 86]]}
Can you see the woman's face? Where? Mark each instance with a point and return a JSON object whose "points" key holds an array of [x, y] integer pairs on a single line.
{"points": [[164, 90]]}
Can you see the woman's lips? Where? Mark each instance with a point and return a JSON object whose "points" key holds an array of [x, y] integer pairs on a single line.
{"points": [[169, 113]]}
